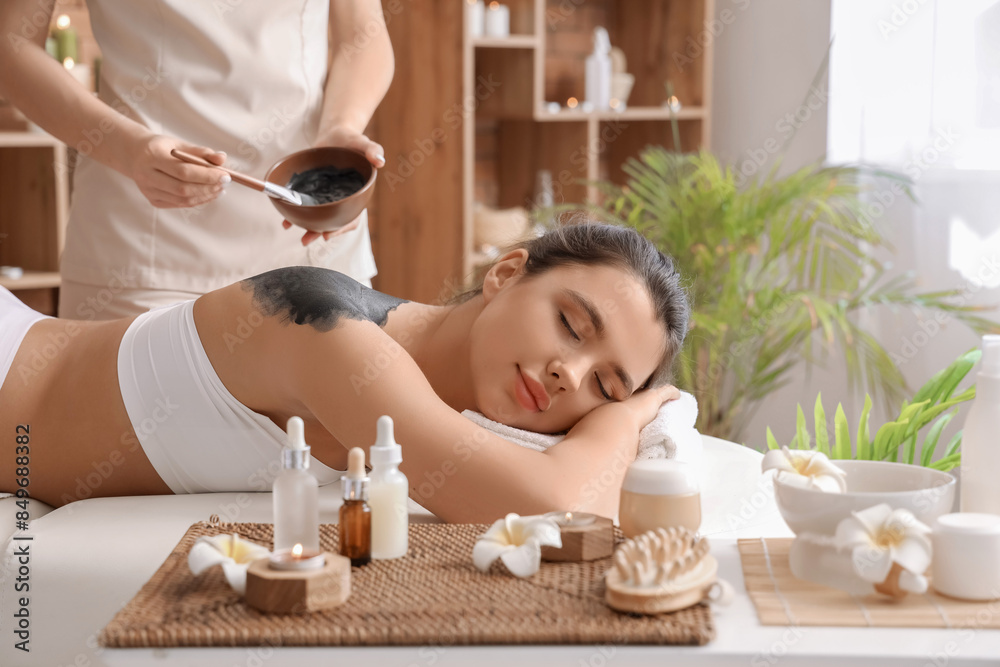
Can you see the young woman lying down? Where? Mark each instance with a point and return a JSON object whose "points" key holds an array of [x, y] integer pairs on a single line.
{"points": [[574, 331]]}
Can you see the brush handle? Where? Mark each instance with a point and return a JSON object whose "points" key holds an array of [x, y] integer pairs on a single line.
{"points": [[240, 178]]}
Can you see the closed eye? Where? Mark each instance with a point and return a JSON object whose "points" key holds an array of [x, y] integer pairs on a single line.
{"points": [[565, 323], [600, 387]]}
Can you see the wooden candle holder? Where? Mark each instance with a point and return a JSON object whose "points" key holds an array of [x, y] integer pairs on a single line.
{"points": [[294, 591], [580, 543]]}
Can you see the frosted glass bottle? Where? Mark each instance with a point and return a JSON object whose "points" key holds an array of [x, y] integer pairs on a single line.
{"points": [[296, 494], [387, 496], [981, 436], [597, 72]]}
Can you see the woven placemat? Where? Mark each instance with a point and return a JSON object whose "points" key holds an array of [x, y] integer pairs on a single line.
{"points": [[434, 595], [782, 599]]}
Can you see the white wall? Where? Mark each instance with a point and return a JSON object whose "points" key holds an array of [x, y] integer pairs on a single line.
{"points": [[765, 59]]}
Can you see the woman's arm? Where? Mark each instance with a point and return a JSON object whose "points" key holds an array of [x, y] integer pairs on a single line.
{"points": [[46, 93], [350, 376]]}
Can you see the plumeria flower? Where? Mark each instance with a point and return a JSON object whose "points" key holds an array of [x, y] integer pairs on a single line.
{"points": [[517, 541], [806, 468], [880, 536], [232, 551]]}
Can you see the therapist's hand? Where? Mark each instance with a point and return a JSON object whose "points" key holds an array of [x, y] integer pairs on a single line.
{"points": [[344, 137], [168, 182]]}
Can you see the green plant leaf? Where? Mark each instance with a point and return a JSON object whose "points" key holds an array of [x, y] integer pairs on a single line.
{"points": [[842, 434], [822, 435], [947, 463], [772, 443], [953, 444], [864, 447], [801, 432], [933, 435]]}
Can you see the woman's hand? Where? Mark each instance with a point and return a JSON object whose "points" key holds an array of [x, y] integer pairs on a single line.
{"points": [[344, 137], [168, 182]]}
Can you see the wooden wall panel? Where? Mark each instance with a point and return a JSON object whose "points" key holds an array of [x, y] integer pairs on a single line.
{"points": [[416, 211]]}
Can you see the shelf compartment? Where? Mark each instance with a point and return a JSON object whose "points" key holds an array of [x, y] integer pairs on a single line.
{"points": [[525, 147], [32, 219], [504, 82], [623, 140]]}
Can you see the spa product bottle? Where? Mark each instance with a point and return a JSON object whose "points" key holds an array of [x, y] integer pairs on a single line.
{"points": [[980, 443], [296, 494], [597, 78], [388, 495], [355, 514]]}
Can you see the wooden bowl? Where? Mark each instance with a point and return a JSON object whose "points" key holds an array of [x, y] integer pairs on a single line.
{"points": [[332, 215]]}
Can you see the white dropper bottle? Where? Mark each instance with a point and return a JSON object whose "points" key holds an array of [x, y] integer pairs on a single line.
{"points": [[980, 442], [387, 495], [296, 494]]}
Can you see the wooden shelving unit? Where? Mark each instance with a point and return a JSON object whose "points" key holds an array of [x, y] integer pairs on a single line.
{"points": [[34, 191], [512, 135]]}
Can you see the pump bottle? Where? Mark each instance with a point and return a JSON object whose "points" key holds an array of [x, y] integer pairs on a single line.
{"points": [[980, 440], [388, 495], [296, 494], [597, 74]]}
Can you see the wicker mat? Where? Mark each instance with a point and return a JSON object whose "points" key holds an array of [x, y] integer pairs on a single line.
{"points": [[782, 599], [432, 596]]}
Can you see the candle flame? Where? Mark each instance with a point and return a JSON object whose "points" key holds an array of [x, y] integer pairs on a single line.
{"points": [[62, 22], [494, 6], [569, 517], [68, 63], [297, 550], [572, 102]]}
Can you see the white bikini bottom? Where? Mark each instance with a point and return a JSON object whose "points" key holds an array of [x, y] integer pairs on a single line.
{"points": [[198, 437], [15, 320]]}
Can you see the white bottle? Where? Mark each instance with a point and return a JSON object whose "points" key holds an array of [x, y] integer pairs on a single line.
{"points": [[388, 492], [598, 72], [296, 494], [981, 436]]}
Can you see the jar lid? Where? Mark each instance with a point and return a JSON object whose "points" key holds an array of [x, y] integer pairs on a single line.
{"points": [[661, 477], [969, 523]]}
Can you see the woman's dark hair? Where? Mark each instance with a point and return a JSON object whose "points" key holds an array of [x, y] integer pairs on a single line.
{"points": [[593, 243]]}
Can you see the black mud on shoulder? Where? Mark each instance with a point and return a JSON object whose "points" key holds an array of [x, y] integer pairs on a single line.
{"points": [[318, 297]]}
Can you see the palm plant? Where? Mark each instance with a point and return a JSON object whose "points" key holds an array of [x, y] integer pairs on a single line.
{"points": [[777, 269]]}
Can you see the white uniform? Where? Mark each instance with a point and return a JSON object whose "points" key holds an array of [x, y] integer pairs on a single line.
{"points": [[240, 76]]}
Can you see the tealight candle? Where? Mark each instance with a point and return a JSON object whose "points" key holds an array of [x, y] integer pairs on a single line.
{"points": [[497, 20], [572, 518], [296, 558]]}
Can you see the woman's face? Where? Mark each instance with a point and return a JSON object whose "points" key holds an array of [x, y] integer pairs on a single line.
{"points": [[547, 350]]}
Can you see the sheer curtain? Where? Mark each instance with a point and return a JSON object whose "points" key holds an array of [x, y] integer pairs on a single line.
{"points": [[915, 87]]}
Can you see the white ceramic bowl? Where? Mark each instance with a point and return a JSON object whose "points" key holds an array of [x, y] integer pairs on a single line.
{"points": [[927, 493]]}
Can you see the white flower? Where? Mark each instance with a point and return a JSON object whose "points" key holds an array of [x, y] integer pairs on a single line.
{"points": [[232, 551], [880, 536], [806, 468], [517, 541]]}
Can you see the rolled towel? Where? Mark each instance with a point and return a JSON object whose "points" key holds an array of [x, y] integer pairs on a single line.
{"points": [[671, 435]]}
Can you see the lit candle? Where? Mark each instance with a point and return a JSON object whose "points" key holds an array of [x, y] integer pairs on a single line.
{"points": [[477, 12], [572, 518], [497, 20], [572, 103], [296, 558], [65, 34]]}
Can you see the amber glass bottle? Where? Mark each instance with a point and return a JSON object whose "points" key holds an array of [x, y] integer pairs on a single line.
{"points": [[355, 514]]}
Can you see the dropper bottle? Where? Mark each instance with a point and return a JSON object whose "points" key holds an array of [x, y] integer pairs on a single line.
{"points": [[389, 494], [296, 494], [355, 515]]}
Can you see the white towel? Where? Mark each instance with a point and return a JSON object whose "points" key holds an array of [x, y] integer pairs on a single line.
{"points": [[671, 435]]}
